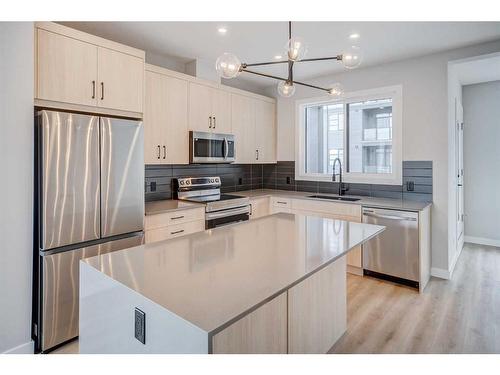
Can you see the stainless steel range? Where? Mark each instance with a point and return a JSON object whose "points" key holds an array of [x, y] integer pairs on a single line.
{"points": [[221, 209]]}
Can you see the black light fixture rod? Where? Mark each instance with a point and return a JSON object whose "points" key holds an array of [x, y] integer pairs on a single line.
{"points": [[286, 79], [264, 75], [267, 63], [338, 57], [312, 86]]}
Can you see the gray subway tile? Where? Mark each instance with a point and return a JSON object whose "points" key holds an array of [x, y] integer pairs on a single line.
{"points": [[418, 197], [417, 164], [417, 172]]}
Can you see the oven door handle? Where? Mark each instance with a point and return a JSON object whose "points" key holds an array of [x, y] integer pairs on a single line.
{"points": [[226, 213]]}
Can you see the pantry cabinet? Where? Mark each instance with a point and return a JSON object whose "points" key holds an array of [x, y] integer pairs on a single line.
{"points": [[209, 109], [254, 127], [79, 71], [166, 139]]}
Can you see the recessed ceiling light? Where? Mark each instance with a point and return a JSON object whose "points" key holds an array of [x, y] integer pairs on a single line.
{"points": [[354, 36], [278, 57], [222, 30]]}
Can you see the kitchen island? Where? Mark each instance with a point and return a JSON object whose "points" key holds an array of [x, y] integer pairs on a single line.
{"points": [[276, 284]]}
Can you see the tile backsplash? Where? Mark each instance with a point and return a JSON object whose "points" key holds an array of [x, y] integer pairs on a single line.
{"points": [[417, 180]]}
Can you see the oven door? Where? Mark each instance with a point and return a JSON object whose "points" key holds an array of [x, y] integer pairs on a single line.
{"points": [[211, 148], [225, 217]]}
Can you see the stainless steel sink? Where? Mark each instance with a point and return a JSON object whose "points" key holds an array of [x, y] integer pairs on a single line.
{"points": [[347, 199]]}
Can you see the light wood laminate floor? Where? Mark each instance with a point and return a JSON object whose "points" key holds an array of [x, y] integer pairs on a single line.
{"points": [[461, 315]]}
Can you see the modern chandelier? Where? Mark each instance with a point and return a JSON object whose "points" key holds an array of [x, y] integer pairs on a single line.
{"points": [[229, 66]]}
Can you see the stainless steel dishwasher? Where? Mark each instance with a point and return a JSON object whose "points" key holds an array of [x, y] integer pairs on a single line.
{"points": [[393, 254]]}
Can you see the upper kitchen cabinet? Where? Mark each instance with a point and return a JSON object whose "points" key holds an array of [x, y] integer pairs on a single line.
{"points": [[209, 109], [166, 139], [265, 131], [121, 80], [67, 69], [243, 117], [254, 127], [79, 71]]}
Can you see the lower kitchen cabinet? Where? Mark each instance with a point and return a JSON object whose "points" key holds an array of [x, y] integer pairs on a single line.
{"points": [[317, 308], [261, 331], [163, 226], [259, 207], [308, 318], [172, 231]]}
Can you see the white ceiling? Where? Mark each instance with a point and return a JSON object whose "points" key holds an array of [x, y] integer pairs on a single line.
{"points": [[381, 42]]}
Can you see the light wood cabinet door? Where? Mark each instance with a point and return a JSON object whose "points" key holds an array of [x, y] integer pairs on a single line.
{"points": [[243, 127], [317, 310], [200, 107], [166, 138], [259, 207], [66, 69], [221, 109], [263, 331], [155, 117], [120, 80], [265, 131]]}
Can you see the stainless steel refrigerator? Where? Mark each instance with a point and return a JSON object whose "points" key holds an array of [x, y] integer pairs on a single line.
{"points": [[89, 199]]}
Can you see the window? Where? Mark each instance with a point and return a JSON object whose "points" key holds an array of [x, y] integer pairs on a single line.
{"points": [[363, 131]]}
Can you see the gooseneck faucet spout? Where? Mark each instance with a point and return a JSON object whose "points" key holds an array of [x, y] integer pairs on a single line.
{"points": [[341, 192]]}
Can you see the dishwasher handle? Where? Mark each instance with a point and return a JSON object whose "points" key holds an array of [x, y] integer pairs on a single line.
{"points": [[389, 217]]}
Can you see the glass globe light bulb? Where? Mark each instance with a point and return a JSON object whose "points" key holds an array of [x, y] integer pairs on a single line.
{"points": [[286, 89], [336, 90], [295, 49], [351, 58], [228, 65]]}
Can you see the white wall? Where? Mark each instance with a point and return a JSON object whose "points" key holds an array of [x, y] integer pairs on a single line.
{"points": [[425, 121], [16, 190], [482, 161]]}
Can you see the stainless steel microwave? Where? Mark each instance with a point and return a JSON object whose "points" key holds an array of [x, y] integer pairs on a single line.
{"points": [[211, 147]]}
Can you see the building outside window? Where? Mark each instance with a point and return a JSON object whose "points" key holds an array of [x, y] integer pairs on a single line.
{"points": [[363, 130]]}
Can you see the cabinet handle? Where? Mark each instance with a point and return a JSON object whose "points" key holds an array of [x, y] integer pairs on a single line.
{"points": [[159, 151], [257, 154], [102, 90], [210, 122], [93, 89], [164, 152], [251, 209], [280, 202], [177, 231], [177, 217], [214, 122]]}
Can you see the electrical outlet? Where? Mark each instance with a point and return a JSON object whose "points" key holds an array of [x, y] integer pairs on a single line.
{"points": [[240, 181], [152, 186], [288, 180], [410, 186], [140, 326]]}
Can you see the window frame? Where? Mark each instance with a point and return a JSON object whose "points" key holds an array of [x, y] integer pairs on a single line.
{"points": [[390, 92]]}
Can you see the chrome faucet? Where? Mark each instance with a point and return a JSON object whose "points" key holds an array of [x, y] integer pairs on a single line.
{"points": [[341, 191]]}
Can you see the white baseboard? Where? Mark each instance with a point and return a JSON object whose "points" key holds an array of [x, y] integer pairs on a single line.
{"points": [[482, 241], [26, 348], [447, 274], [440, 273]]}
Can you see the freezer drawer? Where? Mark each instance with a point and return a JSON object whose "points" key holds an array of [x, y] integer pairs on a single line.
{"points": [[394, 252], [61, 289], [122, 176], [68, 188]]}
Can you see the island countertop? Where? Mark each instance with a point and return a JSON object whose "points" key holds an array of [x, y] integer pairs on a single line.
{"points": [[212, 278]]}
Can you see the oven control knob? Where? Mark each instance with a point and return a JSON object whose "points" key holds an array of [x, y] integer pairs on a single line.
{"points": [[181, 182], [212, 180], [188, 182]]}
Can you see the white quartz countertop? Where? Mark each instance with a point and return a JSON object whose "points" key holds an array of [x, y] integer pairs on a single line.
{"points": [[170, 205], [391, 203], [212, 278]]}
